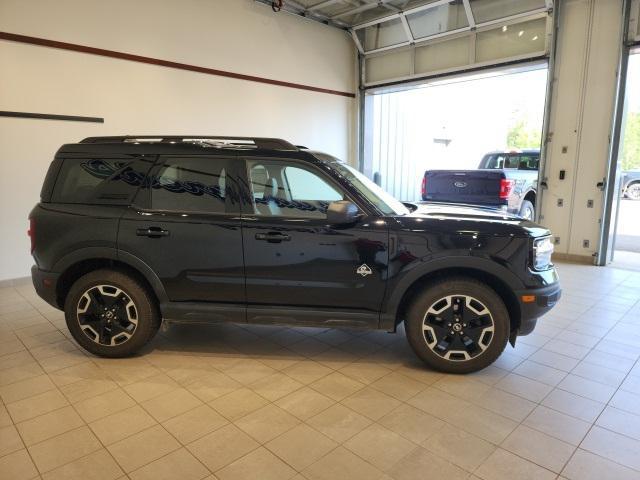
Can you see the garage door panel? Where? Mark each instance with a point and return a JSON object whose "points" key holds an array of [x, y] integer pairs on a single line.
{"points": [[487, 10], [442, 55], [441, 19], [393, 65], [511, 40]]}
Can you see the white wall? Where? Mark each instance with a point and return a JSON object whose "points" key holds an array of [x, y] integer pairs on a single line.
{"points": [[581, 119], [239, 36]]}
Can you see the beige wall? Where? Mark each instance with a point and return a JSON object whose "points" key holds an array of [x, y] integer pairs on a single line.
{"points": [[239, 36]]}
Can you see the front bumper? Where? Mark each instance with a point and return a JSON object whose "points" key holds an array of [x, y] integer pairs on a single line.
{"points": [[45, 284], [544, 299]]}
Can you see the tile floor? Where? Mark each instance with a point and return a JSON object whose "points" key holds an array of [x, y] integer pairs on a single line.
{"points": [[236, 402]]}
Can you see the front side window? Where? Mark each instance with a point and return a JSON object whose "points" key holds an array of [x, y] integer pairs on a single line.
{"points": [[190, 184], [285, 190]]}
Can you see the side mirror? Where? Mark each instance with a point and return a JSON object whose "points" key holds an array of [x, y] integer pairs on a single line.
{"points": [[342, 212]]}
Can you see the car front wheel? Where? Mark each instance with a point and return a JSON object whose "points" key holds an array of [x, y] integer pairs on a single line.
{"points": [[110, 314], [458, 325]]}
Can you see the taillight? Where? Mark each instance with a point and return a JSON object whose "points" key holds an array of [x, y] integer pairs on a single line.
{"points": [[423, 189], [32, 233], [506, 186]]}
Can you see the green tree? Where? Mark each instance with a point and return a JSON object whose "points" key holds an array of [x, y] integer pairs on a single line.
{"points": [[522, 135], [631, 142]]}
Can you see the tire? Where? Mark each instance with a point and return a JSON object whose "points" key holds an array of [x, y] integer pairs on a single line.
{"points": [[110, 314], [427, 326], [527, 210], [633, 191]]}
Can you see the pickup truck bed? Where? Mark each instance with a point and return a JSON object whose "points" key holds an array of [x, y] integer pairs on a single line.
{"points": [[504, 180]]}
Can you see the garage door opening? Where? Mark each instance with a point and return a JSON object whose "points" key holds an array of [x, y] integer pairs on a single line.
{"points": [[627, 228], [454, 124]]}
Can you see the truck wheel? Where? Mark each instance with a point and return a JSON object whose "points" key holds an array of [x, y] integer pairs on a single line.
{"points": [[527, 210], [633, 191], [457, 325], [110, 314]]}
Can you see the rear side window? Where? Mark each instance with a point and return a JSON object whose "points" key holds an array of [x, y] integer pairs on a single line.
{"points": [[528, 162], [191, 184], [510, 161], [104, 181]]}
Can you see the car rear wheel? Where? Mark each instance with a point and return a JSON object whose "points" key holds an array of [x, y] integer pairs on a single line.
{"points": [[633, 191], [110, 314], [527, 210], [458, 325]]}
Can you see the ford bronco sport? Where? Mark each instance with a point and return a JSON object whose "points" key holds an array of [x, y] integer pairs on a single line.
{"points": [[133, 230]]}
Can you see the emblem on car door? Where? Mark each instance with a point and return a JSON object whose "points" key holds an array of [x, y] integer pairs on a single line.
{"points": [[364, 270], [460, 184]]}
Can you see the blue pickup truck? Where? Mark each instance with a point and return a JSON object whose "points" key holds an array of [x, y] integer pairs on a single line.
{"points": [[507, 180]]}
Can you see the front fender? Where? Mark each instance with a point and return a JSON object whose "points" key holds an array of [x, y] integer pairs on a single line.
{"points": [[423, 268]]}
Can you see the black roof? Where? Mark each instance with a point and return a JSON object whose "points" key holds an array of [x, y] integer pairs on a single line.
{"points": [[182, 144]]}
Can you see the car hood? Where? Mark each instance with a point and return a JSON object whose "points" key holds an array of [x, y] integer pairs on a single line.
{"points": [[471, 219]]}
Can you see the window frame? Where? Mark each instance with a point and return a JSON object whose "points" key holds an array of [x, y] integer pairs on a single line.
{"points": [[248, 207], [144, 199]]}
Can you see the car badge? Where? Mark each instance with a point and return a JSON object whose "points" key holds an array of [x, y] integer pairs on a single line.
{"points": [[460, 184], [364, 270]]}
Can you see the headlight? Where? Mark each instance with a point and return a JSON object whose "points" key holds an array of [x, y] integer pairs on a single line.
{"points": [[542, 251]]}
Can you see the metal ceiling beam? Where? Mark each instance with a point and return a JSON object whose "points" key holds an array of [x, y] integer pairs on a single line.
{"points": [[294, 8], [363, 8], [356, 40], [407, 29], [469, 12], [318, 6], [410, 11]]}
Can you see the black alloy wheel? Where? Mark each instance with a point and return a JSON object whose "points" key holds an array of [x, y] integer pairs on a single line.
{"points": [[107, 315], [458, 327], [457, 324], [111, 313]]}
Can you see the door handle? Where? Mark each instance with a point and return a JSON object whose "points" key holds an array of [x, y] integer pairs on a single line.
{"points": [[152, 232], [273, 237]]}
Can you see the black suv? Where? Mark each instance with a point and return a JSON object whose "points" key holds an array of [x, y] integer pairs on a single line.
{"points": [[133, 230]]}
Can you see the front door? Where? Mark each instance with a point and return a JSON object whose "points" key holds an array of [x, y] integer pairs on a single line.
{"points": [[294, 259], [186, 227]]}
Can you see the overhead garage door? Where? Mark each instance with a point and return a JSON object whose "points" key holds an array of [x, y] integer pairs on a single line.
{"points": [[439, 37]]}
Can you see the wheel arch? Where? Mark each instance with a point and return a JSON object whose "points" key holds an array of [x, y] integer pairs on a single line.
{"points": [[84, 261], [635, 181], [398, 306], [531, 196]]}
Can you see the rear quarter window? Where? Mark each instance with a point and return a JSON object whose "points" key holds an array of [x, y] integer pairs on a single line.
{"points": [[103, 181]]}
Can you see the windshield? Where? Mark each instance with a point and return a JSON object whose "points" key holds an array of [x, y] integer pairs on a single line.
{"points": [[384, 202]]}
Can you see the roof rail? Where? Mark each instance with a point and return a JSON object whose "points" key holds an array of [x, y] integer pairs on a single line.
{"points": [[259, 142]]}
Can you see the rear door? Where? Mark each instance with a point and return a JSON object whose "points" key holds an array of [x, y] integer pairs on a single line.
{"points": [[186, 226], [294, 259]]}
